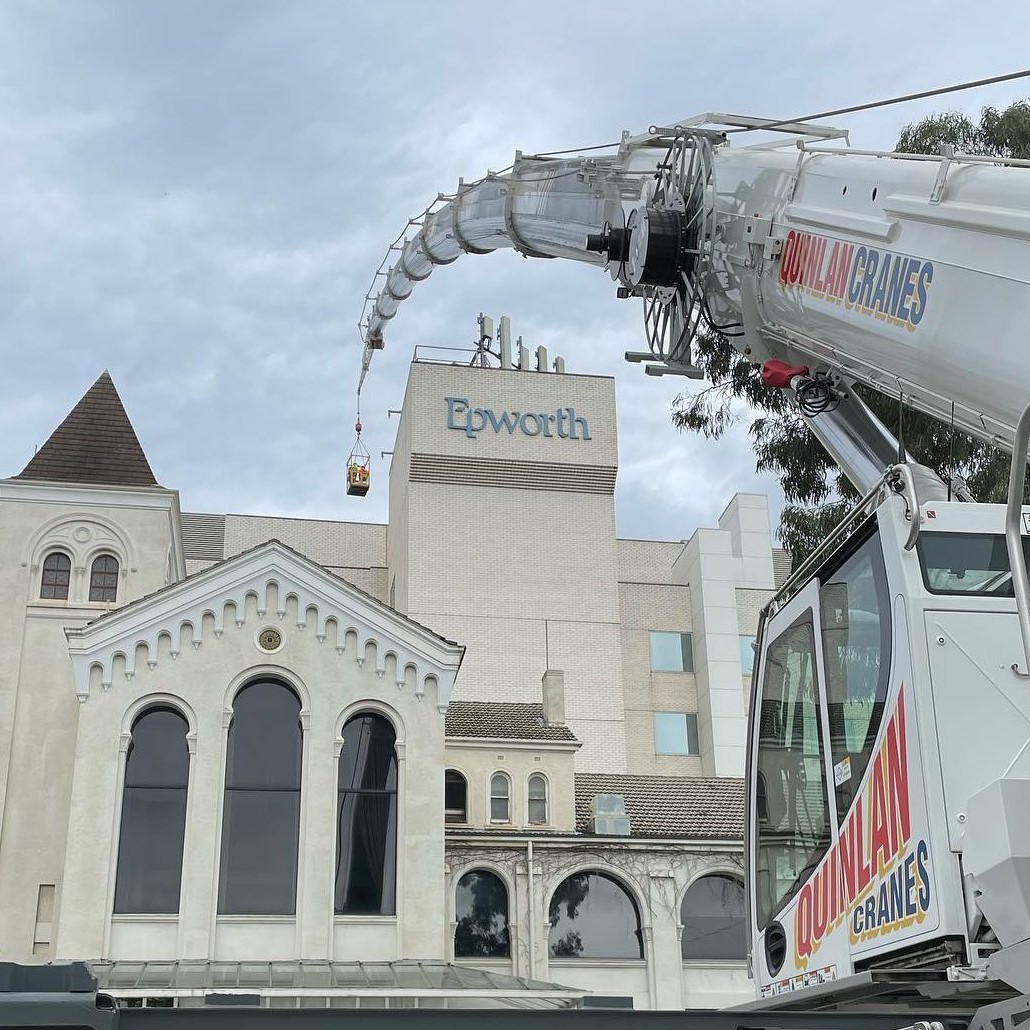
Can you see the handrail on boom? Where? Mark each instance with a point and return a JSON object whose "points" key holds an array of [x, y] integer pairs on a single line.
{"points": [[1014, 537]]}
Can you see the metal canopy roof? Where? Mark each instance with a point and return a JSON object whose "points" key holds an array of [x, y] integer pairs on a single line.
{"points": [[410, 979]]}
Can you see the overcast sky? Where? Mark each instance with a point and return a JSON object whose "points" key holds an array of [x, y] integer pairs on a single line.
{"points": [[195, 194]]}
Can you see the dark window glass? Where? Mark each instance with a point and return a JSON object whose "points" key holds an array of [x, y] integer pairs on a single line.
{"points": [[794, 833], [103, 579], [712, 915], [537, 799], [455, 797], [500, 799], [593, 916], [481, 911], [366, 849], [261, 821], [153, 814], [967, 563], [854, 615], [57, 574]]}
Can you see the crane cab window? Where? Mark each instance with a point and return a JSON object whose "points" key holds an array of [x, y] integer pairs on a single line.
{"points": [[967, 563], [855, 622], [792, 805]]}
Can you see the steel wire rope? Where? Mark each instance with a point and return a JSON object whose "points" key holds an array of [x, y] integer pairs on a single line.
{"points": [[939, 91]]}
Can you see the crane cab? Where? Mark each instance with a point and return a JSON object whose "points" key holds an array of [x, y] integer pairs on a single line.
{"points": [[881, 675]]}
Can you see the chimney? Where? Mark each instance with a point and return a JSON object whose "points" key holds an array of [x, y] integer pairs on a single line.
{"points": [[554, 697]]}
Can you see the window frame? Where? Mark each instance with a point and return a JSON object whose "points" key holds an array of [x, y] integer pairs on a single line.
{"points": [[743, 921], [630, 895], [481, 870], [155, 707], [103, 556], [807, 603], [393, 797], [537, 775], [464, 811], [686, 642], [56, 552], [687, 716], [221, 902], [507, 820]]}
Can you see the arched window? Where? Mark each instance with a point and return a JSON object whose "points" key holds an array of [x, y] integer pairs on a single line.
{"points": [[537, 799], [500, 798], [153, 814], [712, 915], [366, 847], [261, 817], [455, 797], [57, 574], [481, 911], [103, 578], [593, 916]]}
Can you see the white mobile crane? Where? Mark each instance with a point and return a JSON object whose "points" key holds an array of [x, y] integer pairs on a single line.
{"points": [[888, 819]]}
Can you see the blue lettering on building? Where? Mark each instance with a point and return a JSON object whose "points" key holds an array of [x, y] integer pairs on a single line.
{"points": [[564, 422]]}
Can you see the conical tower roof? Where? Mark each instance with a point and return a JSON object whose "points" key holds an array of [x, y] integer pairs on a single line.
{"points": [[94, 444]]}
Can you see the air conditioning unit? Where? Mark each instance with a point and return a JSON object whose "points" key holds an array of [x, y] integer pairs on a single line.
{"points": [[609, 816]]}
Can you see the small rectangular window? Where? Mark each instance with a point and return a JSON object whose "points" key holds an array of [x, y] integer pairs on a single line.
{"points": [[671, 652], [675, 733], [967, 563], [747, 655]]}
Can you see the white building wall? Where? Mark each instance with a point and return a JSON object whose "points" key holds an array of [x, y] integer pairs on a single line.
{"points": [[38, 711], [517, 557], [203, 682]]}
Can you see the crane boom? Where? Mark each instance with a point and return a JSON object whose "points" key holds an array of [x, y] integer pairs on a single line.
{"points": [[888, 757], [900, 271]]}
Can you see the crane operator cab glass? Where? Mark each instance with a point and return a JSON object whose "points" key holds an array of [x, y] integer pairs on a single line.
{"points": [[817, 716]]}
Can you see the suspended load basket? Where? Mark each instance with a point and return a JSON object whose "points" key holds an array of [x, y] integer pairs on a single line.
{"points": [[358, 464]]}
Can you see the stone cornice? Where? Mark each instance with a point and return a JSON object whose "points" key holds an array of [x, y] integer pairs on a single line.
{"points": [[269, 570]]}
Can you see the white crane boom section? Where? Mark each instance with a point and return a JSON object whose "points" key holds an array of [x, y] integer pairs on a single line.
{"points": [[909, 273]]}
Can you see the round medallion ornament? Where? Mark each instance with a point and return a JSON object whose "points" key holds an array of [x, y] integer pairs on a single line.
{"points": [[270, 640]]}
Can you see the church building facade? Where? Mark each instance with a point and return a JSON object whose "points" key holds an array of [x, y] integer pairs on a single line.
{"points": [[485, 754]]}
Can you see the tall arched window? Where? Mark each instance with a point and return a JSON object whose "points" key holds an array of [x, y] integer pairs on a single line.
{"points": [[103, 578], [500, 798], [261, 817], [153, 825], [455, 797], [538, 799], [366, 847], [712, 915], [57, 575], [593, 916], [481, 912]]}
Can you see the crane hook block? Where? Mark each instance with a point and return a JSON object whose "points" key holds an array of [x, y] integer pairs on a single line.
{"points": [[780, 374], [357, 427]]}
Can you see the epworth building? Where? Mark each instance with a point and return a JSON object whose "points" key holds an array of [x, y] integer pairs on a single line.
{"points": [[485, 754]]}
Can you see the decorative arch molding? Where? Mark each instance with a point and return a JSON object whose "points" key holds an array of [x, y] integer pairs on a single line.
{"points": [[160, 699], [374, 707], [276, 578], [488, 865], [718, 868], [269, 672], [84, 535], [634, 889]]}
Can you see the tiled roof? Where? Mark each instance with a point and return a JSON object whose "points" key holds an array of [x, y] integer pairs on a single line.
{"points": [[690, 808], [501, 720], [94, 444]]}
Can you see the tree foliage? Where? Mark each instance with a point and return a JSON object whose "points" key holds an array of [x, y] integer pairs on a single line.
{"points": [[816, 492]]}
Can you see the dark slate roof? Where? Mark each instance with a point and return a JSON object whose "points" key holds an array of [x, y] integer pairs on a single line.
{"points": [[684, 807], [501, 720], [94, 444]]}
